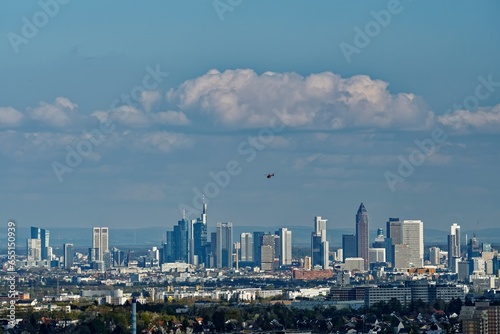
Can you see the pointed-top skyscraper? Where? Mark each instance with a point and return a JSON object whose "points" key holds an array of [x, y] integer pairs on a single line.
{"points": [[200, 236], [362, 233]]}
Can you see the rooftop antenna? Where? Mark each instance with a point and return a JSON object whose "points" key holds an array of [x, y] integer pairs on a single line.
{"points": [[184, 214]]}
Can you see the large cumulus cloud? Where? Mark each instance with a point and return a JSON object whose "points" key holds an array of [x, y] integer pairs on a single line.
{"points": [[325, 100]]}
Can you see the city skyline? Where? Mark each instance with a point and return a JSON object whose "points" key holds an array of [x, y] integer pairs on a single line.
{"points": [[250, 166], [202, 105]]}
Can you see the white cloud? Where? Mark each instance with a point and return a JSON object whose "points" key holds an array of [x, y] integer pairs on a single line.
{"points": [[149, 98], [56, 114], [10, 117], [163, 141], [325, 100], [171, 117], [485, 118], [134, 117]]}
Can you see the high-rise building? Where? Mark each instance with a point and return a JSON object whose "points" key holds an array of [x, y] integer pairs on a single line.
{"points": [[349, 248], [100, 241], [44, 236], [181, 240], [319, 245], [376, 255], [307, 263], [454, 251], [168, 248], [394, 230], [402, 256], [473, 248], [381, 241], [118, 257], [285, 246], [200, 236], [69, 255], [394, 237], [380, 236], [407, 241], [413, 236], [224, 245], [246, 247], [434, 255], [362, 233], [33, 247], [267, 252], [257, 242], [320, 227]]}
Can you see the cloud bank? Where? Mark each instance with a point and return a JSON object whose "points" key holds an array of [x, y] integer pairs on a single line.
{"points": [[242, 98]]}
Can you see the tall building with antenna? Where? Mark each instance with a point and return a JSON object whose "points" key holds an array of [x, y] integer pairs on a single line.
{"points": [[362, 234], [200, 237]]}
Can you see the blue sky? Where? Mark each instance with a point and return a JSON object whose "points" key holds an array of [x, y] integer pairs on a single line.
{"points": [[341, 126]]}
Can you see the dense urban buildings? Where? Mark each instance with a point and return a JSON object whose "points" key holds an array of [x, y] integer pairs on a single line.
{"points": [[396, 268]]}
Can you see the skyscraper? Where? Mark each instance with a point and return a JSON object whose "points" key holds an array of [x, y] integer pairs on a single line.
{"points": [[200, 236], [319, 245], [362, 234], [454, 251], [349, 248], [413, 236], [394, 237], [168, 248], [33, 247], [224, 245], [181, 240], [257, 242], [267, 250], [407, 241], [100, 241], [473, 248], [118, 257], [69, 255], [246, 247], [434, 255], [285, 246], [44, 236]]}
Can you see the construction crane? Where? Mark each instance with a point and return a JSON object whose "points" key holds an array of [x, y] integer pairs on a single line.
{"points": [[475, 230]]}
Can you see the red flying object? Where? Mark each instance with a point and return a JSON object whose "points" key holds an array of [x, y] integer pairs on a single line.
{"points": [[270, 175]]}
